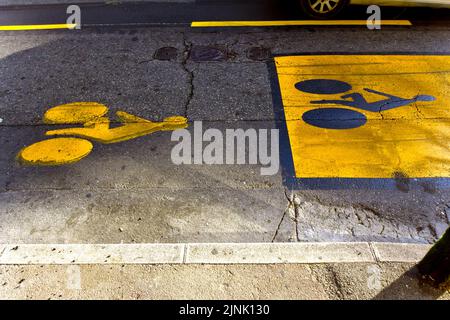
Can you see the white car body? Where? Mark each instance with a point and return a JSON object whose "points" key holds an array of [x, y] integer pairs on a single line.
{"points": [[406, 3]]}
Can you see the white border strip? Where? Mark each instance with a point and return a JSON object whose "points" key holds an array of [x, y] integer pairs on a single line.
{"points": [[279, 253], [209, 253], [28, 254]]}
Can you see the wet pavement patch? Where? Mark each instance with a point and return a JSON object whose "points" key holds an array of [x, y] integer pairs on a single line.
{"points": [[208, 53], [166, 53], [401, 181]]}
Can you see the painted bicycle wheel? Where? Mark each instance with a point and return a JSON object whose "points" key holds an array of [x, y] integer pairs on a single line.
{"points": [[323, 86], [55, 152], [75, 113], [334, 118]]}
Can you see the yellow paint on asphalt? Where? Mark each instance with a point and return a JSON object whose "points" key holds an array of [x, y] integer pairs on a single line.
{"points": [[55, 151], [132, 127], [96, 127], [281, 23], [37, 27], [75, 113], [412, 139]]}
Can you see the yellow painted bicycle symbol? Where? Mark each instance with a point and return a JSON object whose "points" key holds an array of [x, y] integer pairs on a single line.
{"points": [[96, 127]]}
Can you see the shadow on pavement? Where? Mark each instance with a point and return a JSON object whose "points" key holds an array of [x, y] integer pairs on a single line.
{"points": [[410, 286]]}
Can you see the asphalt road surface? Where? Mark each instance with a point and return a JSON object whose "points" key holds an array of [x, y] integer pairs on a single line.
{"points": [[147, 60]]}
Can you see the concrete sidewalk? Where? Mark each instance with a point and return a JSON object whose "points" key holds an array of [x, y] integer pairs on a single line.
{"points": [[214, 271], [261, 281]]}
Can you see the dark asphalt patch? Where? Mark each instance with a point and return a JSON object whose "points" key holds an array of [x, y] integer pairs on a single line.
{"points": [[208, 53], [259, 53], [166, 53]]}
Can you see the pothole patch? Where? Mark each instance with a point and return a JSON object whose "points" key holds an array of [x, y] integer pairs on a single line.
{"points": [[258, 53], [166, 54], [208, 53]]}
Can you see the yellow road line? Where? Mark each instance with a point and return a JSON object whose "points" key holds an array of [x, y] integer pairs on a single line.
{"points": [[37, 27], [206, 24]]}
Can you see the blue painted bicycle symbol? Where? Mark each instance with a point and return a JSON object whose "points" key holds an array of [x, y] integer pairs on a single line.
{"points": [[342, 118]]}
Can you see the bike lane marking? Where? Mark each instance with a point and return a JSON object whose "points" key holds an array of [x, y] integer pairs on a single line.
{"points": [[96, 126], [366, 116]]}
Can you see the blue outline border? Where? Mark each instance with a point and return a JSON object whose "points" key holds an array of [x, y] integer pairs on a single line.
{"points": [[287, 163]]}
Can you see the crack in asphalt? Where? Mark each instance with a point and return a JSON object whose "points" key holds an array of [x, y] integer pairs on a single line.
{"points": [[279, 225], [296, 202], [447, 213], [293, 209], [4, 249], [187, 48], [282, 219], [433, 231]]}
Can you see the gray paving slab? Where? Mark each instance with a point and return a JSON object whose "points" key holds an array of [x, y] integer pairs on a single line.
{"points": [[400, 251], [142, 216], [92, 254], [260, 253]]}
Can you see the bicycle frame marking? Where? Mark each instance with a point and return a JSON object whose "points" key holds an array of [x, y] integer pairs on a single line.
{"points": [[96, 127]]}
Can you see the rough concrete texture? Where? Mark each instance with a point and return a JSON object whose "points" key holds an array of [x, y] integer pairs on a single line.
{"points": [[212, 253], [399, 252], [264, 253], [333, 281]]}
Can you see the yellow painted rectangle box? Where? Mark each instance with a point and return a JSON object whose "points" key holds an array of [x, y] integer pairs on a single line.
{"points": [[412, 140]]}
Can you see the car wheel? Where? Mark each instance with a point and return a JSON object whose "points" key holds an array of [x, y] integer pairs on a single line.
{"points": [[323, 9]]}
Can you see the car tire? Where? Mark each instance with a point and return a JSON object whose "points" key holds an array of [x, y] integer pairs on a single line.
{"points": [[323, 9]]}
